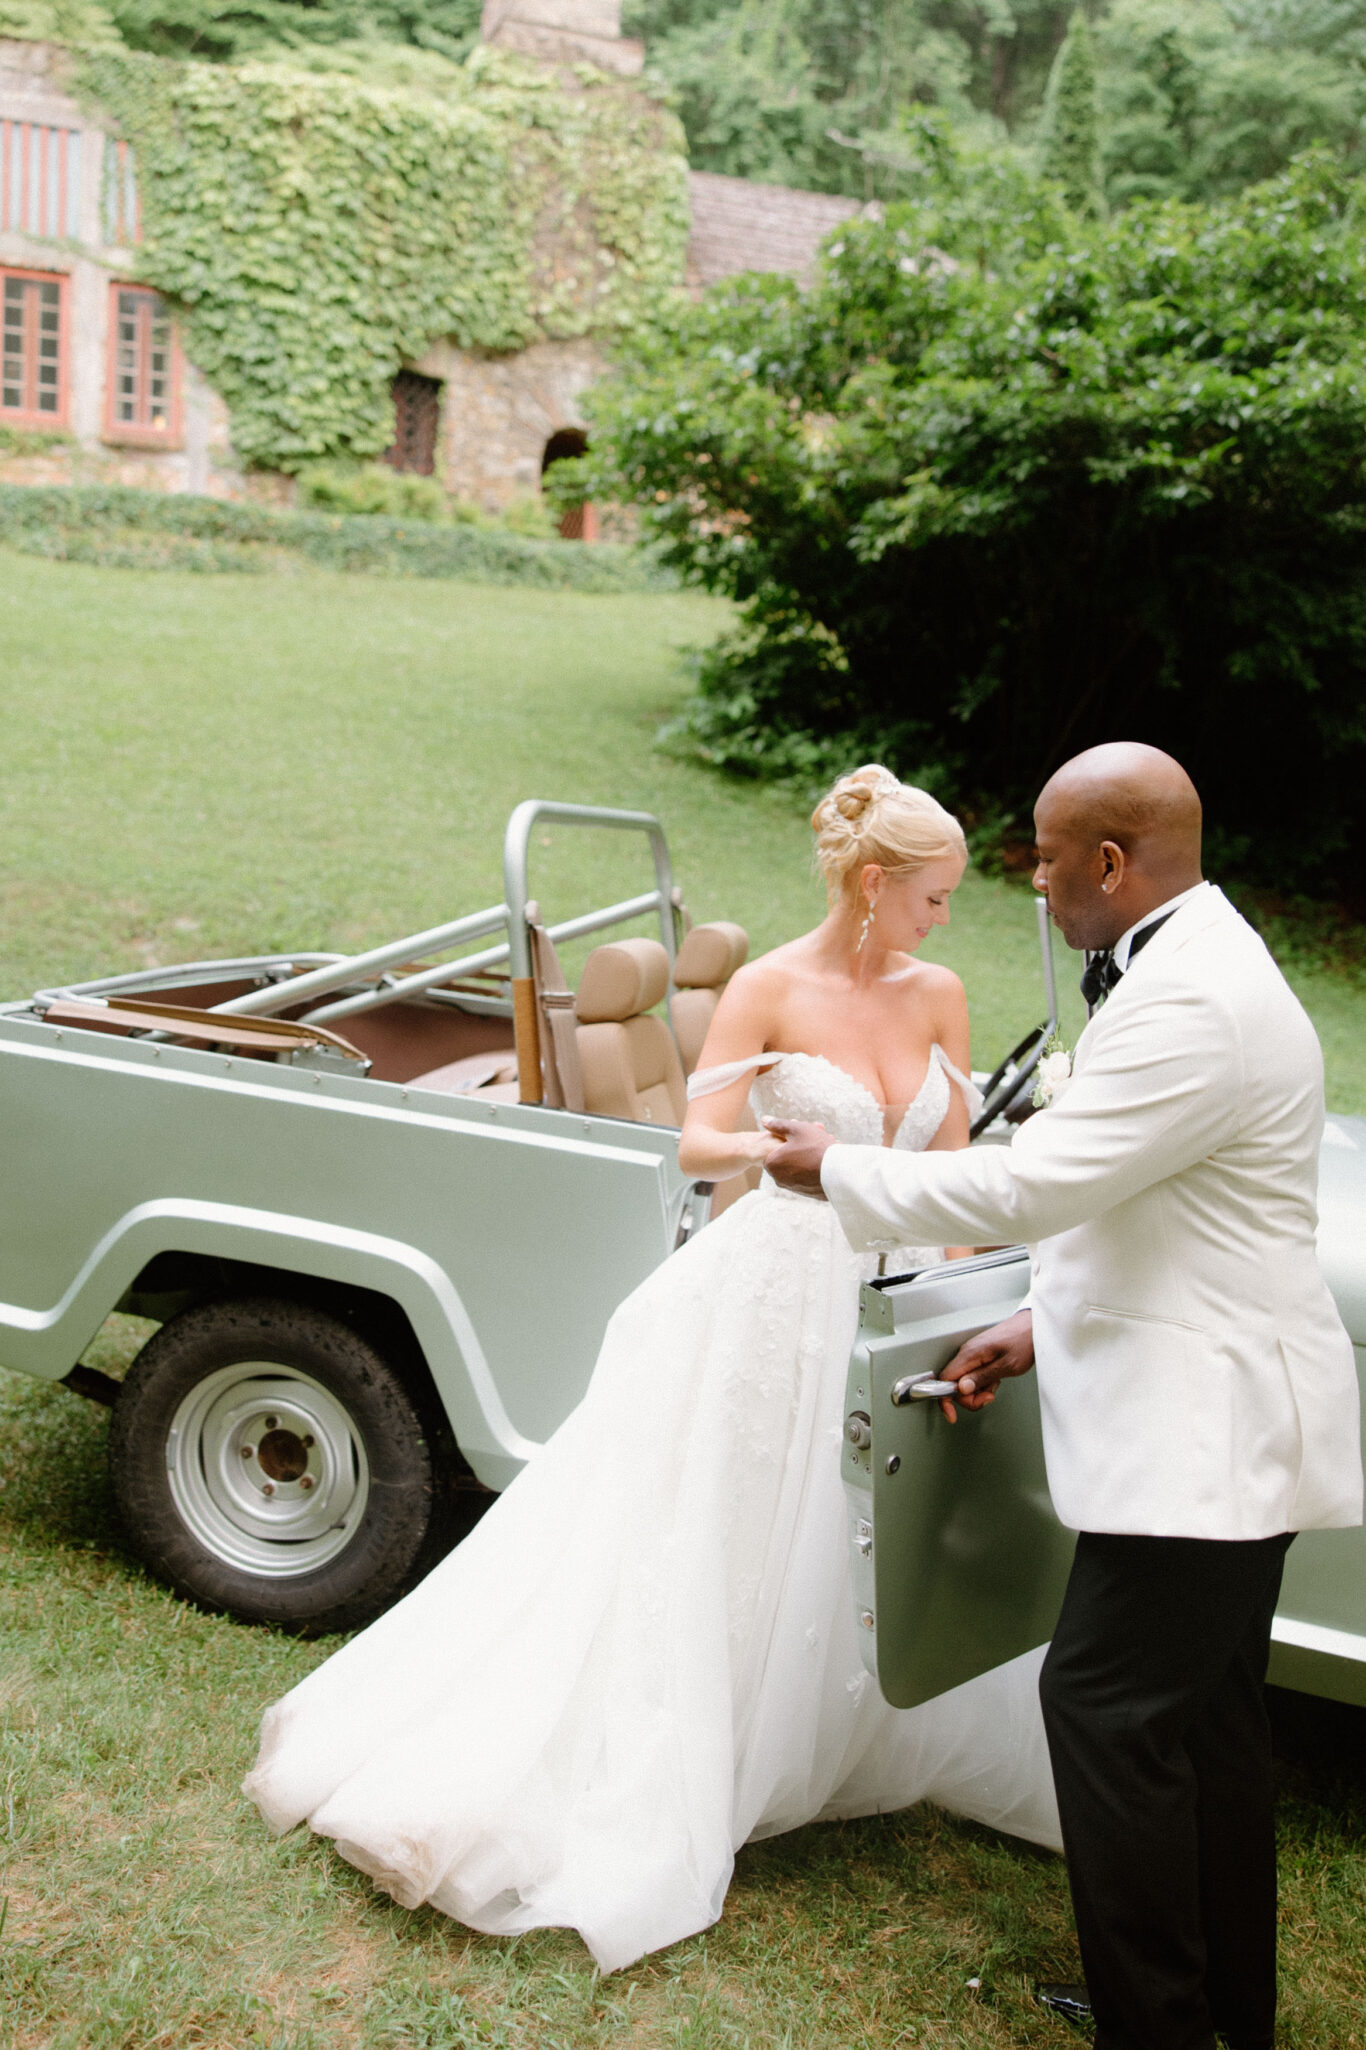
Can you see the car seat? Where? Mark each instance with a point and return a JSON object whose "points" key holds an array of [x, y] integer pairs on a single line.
{"points": [[627, 1058], [707, 959]]}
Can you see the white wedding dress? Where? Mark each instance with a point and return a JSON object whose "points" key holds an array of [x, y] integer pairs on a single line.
{"points": [[645, 1653]]}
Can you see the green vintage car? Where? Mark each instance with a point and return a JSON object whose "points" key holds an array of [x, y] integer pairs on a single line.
{"points": [[380, 1208]]}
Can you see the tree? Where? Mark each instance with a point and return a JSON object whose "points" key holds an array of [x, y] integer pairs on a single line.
{"points": [[1202, 97], [1071, 135], [1004, 483]]}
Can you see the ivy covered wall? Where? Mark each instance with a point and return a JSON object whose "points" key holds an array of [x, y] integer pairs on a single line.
{"points": [[318, 231]]}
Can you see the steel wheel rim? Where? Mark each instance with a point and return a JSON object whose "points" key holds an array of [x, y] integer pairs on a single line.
{"points": [[267, 1469]]}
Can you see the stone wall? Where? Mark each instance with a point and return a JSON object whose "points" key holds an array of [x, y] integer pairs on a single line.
{"points": [[498, 413]]}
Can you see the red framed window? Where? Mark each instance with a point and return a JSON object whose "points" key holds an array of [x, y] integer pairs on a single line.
{"points": [[144, 369], [33, 351]]}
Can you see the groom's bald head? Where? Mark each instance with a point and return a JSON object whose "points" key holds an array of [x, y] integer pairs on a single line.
{"points": [[1118, 831]]}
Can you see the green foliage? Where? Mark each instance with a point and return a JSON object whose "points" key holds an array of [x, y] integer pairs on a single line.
{"points": [[815, 93], [371, 488], [526, 514], [234, 29], [32, 441], [122, 528], [1092, 481], [1197, 98], [1200, 98], [746, 95], [319, 231], [1071, 147], [57, 21]]}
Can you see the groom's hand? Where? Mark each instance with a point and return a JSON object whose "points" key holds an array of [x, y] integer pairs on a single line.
{"points": [[994, 1355], [795, 1162]]}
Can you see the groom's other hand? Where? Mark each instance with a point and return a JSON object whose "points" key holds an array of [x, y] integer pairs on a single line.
{"points": [[796, 1161], [993, 1356]]}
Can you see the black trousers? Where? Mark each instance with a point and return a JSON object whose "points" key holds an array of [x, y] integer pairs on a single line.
{"points": [[1152, 1700]]}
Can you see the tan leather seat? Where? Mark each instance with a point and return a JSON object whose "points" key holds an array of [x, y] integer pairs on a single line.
{"points": [[477, 1073], [629, 1061], [707, 959]]}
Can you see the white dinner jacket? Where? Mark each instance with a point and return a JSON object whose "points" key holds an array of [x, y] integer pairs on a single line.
{"points": [[1194, 1375]]}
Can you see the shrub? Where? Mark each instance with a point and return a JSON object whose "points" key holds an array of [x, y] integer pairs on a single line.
{"points": [[526, 514], [118, 527], [374, 488], [1067, 482]]}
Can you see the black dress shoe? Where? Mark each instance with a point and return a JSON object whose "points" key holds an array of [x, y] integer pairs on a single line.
{"points": [[1073, 2003]]}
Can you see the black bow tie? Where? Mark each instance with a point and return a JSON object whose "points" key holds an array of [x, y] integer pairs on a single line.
{"points": [[1099, 977], [1102, 971]]}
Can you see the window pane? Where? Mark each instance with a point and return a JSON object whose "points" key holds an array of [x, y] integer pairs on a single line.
{"points": [[31, 374], [143, 361]]}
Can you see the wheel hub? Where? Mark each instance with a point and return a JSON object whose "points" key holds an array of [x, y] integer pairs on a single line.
{"points": [[267, 1469]]}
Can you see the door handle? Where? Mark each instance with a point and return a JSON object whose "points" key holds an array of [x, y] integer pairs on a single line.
{"points": [[920, 1388]]}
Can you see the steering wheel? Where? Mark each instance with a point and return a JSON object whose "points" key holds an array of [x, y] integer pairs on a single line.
{"points": [[1008, 1080]]}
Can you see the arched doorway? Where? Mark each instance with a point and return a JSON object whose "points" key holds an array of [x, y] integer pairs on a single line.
{"points": [[577, 522]]}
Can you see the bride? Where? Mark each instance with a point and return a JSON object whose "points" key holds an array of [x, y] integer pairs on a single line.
{"points": [[644, 1654]]}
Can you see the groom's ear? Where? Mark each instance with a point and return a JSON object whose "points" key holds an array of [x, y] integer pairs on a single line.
{"points": [[1111, 865]]}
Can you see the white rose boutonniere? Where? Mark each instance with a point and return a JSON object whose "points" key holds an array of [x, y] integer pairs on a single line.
{"points": [[1053, 1074]]}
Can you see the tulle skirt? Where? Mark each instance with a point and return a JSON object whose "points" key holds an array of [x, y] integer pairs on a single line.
{"points": [[645, 1653]]}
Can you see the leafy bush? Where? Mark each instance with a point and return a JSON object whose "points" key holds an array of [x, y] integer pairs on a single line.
{"points": [[1065, 482], [118, 527], [526, 514], [373, 488]]}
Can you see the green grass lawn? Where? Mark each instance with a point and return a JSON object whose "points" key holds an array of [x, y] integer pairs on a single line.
{"points": [[197, 765]]}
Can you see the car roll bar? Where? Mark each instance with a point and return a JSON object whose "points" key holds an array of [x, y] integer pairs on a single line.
{"points": [[508, 919], [516, 848]]}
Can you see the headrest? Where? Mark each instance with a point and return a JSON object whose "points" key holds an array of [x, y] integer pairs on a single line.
{"points": [[710, 956], [621, 980]]}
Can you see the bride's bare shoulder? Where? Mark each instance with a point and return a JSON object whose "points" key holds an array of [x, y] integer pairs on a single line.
{"points": [[755, 993], [777, 970], [931, 987]]}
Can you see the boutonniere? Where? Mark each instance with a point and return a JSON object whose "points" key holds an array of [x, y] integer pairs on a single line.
{"points": [[1053, 1073]]}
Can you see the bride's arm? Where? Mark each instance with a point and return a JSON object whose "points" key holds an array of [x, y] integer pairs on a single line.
{"points": [[710, 1147]]}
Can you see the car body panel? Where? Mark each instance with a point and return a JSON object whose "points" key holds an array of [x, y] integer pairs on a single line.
{"points": [[508, 1233], [959, 1561]]}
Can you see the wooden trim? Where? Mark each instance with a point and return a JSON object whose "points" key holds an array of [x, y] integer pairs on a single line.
{"points": [[201, 1028], [23, 416], [132, 434], [527, 1035]]}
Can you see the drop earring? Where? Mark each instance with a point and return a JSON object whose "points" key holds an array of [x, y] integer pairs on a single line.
{"points": [[866, 927]]}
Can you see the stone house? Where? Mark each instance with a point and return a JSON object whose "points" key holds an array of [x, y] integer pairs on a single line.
{"points": [[96, 386]]}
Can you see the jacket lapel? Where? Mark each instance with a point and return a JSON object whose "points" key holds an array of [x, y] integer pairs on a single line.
{"points": [[1196, 916]]}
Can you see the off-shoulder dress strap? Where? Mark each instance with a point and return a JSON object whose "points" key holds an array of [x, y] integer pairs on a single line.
{"points": [[710, 1081], [972, 1095]]}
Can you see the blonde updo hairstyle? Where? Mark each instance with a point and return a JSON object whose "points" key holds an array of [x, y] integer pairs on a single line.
{"points": [[871, 816]]}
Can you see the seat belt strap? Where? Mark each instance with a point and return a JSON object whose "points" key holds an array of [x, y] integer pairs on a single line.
{"points": [[560, 1069]]}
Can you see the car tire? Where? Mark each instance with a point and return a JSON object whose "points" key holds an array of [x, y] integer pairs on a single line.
{"points": [[268, 1459]]}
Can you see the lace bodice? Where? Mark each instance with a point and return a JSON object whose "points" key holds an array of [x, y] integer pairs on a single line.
{"points": [[810, 1088]]}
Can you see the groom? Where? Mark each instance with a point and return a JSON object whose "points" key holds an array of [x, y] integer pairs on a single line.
{"points": [[1198, 1392]]}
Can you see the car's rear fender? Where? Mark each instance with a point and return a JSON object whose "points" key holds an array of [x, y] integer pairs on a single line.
{"points": [[45, 1342]]}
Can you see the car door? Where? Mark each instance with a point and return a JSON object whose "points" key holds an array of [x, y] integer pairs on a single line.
{"points": [[959, 1561]]}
